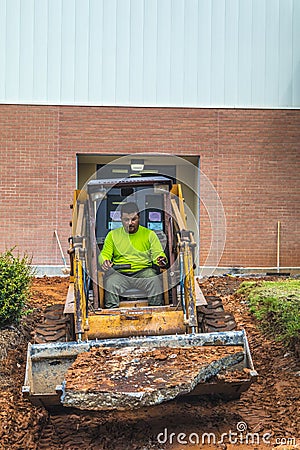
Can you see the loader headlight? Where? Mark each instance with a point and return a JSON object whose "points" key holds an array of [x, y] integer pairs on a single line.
{"points": [[99, 195]]}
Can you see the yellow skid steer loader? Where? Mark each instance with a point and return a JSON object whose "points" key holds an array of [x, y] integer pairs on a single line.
{"points": [[136, 355]]}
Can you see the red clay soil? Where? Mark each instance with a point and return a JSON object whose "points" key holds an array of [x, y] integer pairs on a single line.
{"points": [[267, 415]]}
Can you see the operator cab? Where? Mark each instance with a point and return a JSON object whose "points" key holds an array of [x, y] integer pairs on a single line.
{"points": [[152, 195]]}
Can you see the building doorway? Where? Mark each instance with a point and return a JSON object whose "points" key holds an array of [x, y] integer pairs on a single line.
{"points": [[184, 170]]}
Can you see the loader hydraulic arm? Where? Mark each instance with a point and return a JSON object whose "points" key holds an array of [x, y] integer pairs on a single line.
{"points": [[187, 281], [78, 251], [80, 294], [186, 254]]}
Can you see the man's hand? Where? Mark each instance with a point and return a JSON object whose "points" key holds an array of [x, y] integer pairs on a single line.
{"points": [[107, 264], [161, 261]]}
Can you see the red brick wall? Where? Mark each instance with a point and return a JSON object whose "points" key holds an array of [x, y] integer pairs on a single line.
{"points": [[249, 155]]}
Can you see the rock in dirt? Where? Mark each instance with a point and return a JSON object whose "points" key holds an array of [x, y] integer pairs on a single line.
{"points": [[111, 378]]}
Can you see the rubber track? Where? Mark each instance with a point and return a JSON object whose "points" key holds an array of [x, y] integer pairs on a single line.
{"points": [[55, 326], [212, 317]]}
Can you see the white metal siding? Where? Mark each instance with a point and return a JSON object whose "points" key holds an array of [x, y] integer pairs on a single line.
{"points": [[180, 53]]}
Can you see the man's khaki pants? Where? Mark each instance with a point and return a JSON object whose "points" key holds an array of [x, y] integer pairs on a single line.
{"points": [[147, 280]]}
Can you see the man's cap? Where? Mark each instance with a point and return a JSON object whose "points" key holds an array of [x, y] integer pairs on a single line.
{"points": [[129, 207]]}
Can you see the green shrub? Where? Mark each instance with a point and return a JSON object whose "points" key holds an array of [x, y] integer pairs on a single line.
{"points": [[15, 280], [276, 305]]}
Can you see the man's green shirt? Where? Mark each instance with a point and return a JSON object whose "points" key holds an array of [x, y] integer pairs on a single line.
{"points": [[139, 249]]}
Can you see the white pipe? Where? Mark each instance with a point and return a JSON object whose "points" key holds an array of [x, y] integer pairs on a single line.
{"points": [[60, 248], [278, 246]]}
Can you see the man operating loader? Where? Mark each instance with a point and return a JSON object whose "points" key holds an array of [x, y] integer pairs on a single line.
{"points": [[137, 247]]}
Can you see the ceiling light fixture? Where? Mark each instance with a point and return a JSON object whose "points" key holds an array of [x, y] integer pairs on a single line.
{"points": [[137, 165]]}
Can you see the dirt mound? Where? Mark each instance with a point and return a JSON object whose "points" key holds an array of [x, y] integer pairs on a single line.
{"points": [[20, 422]]}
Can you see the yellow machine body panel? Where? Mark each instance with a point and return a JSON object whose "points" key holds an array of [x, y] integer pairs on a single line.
{"points": [[136, 322]]}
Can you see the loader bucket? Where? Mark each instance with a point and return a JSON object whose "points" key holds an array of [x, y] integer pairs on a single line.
{"points": [[128, 373]]}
